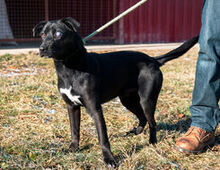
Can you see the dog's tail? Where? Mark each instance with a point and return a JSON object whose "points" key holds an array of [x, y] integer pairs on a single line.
{"points": [[178, 51]]}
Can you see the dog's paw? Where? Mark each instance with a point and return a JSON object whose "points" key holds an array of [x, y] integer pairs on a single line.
{"points": [[139, 130], [153, 136], [135, 131], [153, 140], [110, 162], [73, 147], [109, 159]]}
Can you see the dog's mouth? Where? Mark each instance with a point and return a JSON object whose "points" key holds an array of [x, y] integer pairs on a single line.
{"points": [[45, 54]]}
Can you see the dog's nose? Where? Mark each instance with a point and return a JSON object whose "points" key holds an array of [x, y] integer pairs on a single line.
{"points": [[42, 48]]}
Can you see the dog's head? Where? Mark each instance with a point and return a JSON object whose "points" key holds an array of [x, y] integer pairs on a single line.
{"points": [[59, 37]]}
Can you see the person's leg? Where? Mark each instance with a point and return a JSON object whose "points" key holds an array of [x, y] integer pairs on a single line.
{"points": [[204, 110]]}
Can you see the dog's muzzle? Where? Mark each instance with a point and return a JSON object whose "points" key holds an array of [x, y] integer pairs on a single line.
{"points": [[44, 51]]}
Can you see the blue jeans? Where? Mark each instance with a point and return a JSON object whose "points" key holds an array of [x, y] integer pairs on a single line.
{"points": [[205, 111]]}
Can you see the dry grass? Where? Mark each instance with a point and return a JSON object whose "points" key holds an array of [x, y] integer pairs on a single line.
{"points": [[34, 127]]}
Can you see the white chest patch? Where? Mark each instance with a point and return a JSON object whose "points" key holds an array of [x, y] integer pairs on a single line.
{"points": [[72, 98]]}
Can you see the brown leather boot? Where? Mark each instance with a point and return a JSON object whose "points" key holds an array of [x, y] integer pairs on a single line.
{"points": [[195, 140]]}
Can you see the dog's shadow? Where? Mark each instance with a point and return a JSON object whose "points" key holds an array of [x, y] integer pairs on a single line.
{"points": [[182, 126]]}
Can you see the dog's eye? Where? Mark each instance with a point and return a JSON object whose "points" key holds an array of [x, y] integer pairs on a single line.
{"points": [[58, 34], [43, 35]]}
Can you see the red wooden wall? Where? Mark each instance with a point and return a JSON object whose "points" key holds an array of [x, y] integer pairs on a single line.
{"points": [[160, 21], [154, 21]]}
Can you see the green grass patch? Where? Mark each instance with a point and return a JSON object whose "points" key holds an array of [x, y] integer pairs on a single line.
{"points": [[5, 57]]}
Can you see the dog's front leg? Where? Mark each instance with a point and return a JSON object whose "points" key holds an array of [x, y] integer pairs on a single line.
{"points": [[95, 110], [74, 118]]}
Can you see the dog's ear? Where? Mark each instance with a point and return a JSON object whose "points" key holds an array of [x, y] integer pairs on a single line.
{"points": [[71, 23], [38, 28]]}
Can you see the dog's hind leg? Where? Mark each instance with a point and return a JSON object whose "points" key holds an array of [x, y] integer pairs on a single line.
{"points": [[150, 82], [132, 103]]}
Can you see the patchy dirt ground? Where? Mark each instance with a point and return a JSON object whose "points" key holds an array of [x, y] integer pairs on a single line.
{"points": [[34, 127]]}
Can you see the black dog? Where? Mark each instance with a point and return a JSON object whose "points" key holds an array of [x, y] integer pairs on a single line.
{"points": [[90, 79]]}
